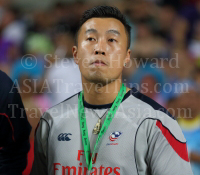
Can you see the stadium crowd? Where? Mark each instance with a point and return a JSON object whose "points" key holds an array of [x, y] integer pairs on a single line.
{"points": [[36, 52]]}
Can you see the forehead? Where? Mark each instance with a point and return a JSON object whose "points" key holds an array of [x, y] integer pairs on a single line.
{"points": [[102, 25]]}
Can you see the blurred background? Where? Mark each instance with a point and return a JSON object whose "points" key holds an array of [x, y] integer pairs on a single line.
{"points": [[36, 39]]}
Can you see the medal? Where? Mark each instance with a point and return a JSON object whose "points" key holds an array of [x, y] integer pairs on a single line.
{"points": [[108, 119], [97, 127]]}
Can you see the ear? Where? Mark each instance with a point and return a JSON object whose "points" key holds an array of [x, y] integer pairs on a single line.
{"points": [[128, 56], [75, 54]]}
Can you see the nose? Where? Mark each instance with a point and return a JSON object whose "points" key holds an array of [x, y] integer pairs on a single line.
{"points": [[99, 52], [100, 48]]}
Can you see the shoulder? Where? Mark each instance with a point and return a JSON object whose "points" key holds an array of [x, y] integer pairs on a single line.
{"points": [[6, 83], [148, 103], [64, 109], [8, 93], [154, 117]]}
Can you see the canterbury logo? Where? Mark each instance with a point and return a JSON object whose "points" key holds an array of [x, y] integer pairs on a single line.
{"points": [[64, 137]]}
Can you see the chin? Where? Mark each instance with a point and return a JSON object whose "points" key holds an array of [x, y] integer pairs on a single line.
{"points": [[99, 79]]}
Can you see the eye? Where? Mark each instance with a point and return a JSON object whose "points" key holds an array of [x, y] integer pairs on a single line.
{"points": [[90, 39], [112, 40]]}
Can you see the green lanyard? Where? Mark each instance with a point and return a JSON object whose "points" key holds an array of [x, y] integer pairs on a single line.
{"points": [[83, 125]]}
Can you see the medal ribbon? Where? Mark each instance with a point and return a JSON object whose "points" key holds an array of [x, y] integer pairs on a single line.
{"points": [[108, 119]]}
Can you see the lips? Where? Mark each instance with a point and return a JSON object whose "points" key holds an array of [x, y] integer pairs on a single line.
{"points": [[99, 62]]}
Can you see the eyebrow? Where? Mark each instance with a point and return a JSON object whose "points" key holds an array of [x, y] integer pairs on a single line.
{"points": [[116, 32], [90, 31]]}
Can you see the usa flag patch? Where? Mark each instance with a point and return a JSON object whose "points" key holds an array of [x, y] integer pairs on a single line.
{"points": [[114, 136]]}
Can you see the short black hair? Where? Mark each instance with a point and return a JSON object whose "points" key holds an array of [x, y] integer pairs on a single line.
{"points": [[104, 12]]}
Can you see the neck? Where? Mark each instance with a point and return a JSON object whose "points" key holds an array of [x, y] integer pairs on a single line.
{"points": [[99, 95]]}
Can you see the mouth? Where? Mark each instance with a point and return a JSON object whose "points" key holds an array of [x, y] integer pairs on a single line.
{"points": [[99, 63]]}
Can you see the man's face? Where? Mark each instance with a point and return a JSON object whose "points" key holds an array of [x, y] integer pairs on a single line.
{"points": [[102, 50]]}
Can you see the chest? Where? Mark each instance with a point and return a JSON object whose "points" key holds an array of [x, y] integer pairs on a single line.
{"points": [[114, 153]]}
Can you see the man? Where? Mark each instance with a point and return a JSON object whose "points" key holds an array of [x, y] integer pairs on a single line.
{"points": [[107, 128], [14, 129]]}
